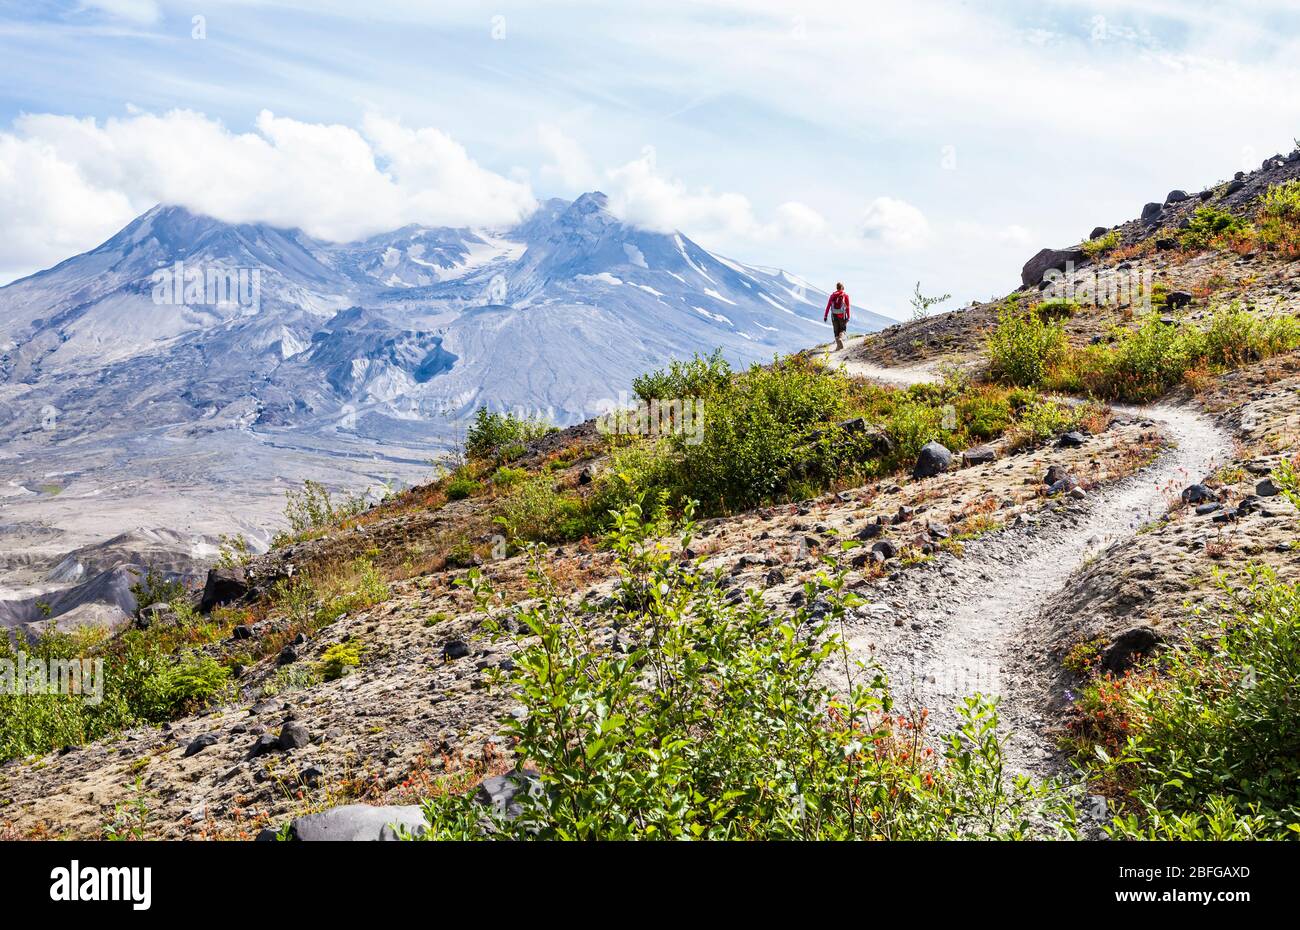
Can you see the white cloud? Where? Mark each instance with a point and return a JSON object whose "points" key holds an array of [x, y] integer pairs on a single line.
{"points": [[48, 210], [895, 223], [569, 164], [798, 219], [642, 195], [137, 11], [67, 183]]}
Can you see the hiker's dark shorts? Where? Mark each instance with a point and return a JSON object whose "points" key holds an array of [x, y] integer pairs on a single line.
{"points": [[839, 323]]}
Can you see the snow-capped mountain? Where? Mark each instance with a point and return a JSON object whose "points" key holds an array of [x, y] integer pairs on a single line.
{"points": [[182, 320]]}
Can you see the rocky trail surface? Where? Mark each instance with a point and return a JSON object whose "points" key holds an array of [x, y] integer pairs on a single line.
{"points": [[975, 623]]}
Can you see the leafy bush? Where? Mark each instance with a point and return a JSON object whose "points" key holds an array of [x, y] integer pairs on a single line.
{"points": [[501, 437], [1057, 308], [535, 510], [339, 658], [156, 589], [1146, 361], [461, 486], [695, 378], [1023, 346], [1102, 244], [1205, 744], [665, 712], [312, 508], [191, 682], [507, 477], [1278, 218], [1207, 225]]}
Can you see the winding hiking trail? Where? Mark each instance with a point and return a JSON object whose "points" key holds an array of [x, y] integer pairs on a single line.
{"points": [[975, 624]]}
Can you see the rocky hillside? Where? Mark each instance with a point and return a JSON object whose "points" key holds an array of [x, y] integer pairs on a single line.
{"points": [[1024, 522]]}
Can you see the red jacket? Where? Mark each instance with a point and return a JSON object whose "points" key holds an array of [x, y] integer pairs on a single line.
{"points": [[844, 304]]}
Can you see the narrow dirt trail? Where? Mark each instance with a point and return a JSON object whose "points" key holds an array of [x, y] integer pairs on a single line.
{"points": [[967, 623]]}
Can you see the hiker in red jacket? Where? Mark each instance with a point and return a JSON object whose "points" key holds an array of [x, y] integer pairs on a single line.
{"points": [[837, 308]]}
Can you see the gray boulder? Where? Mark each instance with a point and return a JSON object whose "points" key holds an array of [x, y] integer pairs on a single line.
{"points": [[933, 459], [1198, 494], [1176, 197], [979, 455], [358, 823], [1048, 260], [293, 735], [1151, 213], [1267, 488], [223, 586], [502, 792]]}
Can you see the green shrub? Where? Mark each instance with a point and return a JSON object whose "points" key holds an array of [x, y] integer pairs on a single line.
{"points": [[1057, 308], [313, 508], [666, 712], [1102, 244], [535, 510], [461, 487], [1209, 223], [360, 587], [1205, 744], [156, 589], [757, 435], [192, 681], [1278, 218], [1023, 346], [507, 477], [501, 437], [1145, 362], [339, 658], [695, 378]]}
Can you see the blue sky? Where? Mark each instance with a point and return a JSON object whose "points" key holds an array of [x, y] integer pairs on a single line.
{"points": [[878, 143]]}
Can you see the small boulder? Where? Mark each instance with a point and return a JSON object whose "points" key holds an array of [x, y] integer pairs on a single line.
{"points": [[198, 744], [933, 459], [1175, 197], [1198, 494], [1072, 439], [1068, 483], [265, 743], [358, 823], [1151, 213], [500, 792], [223, 586], [885, 549], [1055, 474], [1048, 260], [1098, 232], [146, 617], [293, 735], [1267, 488], [455, 649], [980, 455]]}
